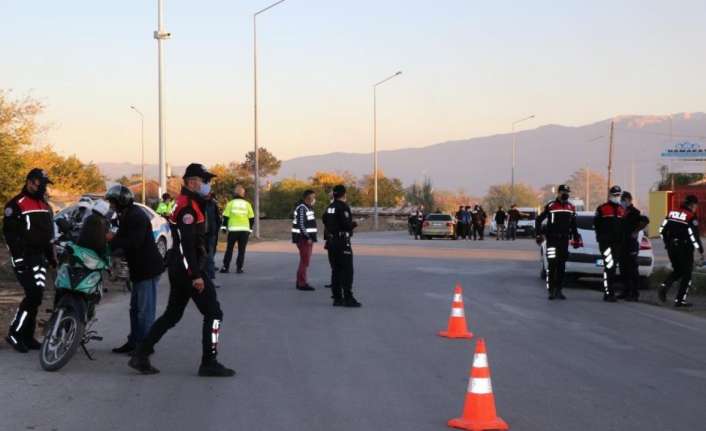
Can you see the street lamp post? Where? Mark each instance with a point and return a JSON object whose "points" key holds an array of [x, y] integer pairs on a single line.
{"points": [[161, 35], [514, 156], [375, 146], [142, 145], [255, 119]]}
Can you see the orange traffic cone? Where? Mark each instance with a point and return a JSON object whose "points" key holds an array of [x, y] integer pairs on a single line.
{"points": [[479, 408], [457, 320]]}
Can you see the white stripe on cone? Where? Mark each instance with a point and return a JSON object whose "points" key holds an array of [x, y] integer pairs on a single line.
{"points": [[457, 312], [480, 360], [458, 297], [480, 386]]}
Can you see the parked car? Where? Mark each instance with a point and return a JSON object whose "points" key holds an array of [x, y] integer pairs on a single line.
{"points": [[525, 226], [160, 226], [586, 261], [438, 225]]}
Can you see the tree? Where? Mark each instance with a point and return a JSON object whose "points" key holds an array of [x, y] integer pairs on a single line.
{"points": [[280, 200], [18, 129], [69, 174], [501, 195], [228, 176], [669, 179], [390, 191], [597, 187], [269, 164], [421, 194]]}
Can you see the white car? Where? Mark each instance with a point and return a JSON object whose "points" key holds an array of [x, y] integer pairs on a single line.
{"points": [[525, 226], [586, 261], [160, 226]]}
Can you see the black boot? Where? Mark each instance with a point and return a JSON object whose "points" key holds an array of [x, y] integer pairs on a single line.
{"points": [[142, 364], [560, 295], [350, 301], [224, 270], [609, 297], [17, 343], [552, 295], [126, 348], [306, 287], [213, 368], [682, 303], [33, 344]]}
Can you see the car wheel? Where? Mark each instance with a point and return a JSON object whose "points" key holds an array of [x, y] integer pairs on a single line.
{"points": [[162, 247]]}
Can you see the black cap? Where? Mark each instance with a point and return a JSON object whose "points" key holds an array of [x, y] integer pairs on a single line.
{"points": [[198, 170], [339, 191], [615, 191], [626, 195], [39, 174], [691, 199], [564, 189]]}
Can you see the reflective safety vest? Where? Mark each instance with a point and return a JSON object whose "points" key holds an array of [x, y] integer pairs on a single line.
{"points": [[165, 208], [303, 223], [237, 215]]}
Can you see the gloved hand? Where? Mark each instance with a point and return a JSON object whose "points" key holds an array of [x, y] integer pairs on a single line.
{"points": [[577, 242], [539, 239]]}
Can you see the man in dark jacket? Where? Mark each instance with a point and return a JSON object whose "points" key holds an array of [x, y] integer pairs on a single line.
{"points": [[213, 223], [460, 223], [304, 234], [634, 223], [134, 238], [609, 224], [500, 219], [188, 280], [29, 230], [513, 218]]}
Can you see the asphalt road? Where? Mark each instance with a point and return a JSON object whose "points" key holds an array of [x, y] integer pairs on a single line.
{"points": [[303, 365]]}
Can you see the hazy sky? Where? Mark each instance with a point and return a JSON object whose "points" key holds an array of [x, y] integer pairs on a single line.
{"points": [[470, 69]]}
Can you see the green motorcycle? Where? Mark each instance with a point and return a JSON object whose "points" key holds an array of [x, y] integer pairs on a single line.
{"points": [[79, 288]]}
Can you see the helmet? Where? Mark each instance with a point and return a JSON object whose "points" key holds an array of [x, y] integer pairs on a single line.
{"points": [[101, 207], [564, 189], [615, 191], [121, 196]]}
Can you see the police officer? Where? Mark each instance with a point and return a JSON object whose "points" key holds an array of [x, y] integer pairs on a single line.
{"points": [[610, 234], [339, 229], [166, 206], [188, 279], [680, 232], [28, 227], [238, 218], [634, 222], [560, 215]]}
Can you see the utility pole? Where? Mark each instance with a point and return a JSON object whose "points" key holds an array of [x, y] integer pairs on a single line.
{"points": [[587, 204], [632, 181], [610, 154], [161, 35]]}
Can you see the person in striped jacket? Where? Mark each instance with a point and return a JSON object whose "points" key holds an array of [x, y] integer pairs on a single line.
{"points": [[304, 236]]}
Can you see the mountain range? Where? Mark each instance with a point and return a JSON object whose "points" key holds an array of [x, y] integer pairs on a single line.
{"points": [[545, 155]]}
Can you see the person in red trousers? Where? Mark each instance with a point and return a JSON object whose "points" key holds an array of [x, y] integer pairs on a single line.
{"points": [[304, 236]]}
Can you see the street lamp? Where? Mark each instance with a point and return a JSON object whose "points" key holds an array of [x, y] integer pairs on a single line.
{"points": [[375, 145], [257, 148], [161, 35], [514, 156], [142, 145]]}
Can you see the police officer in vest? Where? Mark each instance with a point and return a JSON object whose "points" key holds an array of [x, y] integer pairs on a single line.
{"points": [[609, 224], [304, 234], [560, 215], [238, 219], [28, 227], [188, 279], [680, 232], [339, 229]]}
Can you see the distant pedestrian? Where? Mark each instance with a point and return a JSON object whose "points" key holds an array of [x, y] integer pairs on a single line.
{"points": [[500, 227], [460, 223], [419, 222], [134, 238], [238, 218], [609, 224], [166, 205], [467, 222], [483, 219], [513, 219], [680, 232], [304, 235]]}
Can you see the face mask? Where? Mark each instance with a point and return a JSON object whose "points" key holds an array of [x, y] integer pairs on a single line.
{"points": [[624, 204], [615, 199], [564, 197], [205, 189]]}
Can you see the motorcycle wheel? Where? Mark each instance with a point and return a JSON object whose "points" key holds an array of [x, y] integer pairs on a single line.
{"points": [[64, 334]]}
